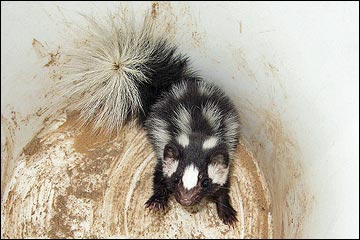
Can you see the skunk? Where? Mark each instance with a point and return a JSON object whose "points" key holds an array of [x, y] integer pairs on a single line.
{"points": [[117, 72], [194, 131]]}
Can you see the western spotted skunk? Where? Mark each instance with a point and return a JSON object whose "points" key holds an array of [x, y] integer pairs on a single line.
{"points": [[117, 71]]}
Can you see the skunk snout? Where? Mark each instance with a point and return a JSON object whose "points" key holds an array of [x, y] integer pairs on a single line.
{"points": [[187, 197]]}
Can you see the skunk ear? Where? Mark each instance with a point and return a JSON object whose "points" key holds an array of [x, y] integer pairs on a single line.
{"points": [[171, 152], [218, 169], [219, 158], [170, 162]]}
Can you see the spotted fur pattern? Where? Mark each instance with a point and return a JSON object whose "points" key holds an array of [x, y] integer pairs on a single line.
{"points": [[118, 71], [193, 106], [199, 121]]}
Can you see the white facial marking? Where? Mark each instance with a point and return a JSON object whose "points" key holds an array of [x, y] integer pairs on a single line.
{"points": [[210, 143], [190, 177], [170, 166], [183, 140], [218, 173]]}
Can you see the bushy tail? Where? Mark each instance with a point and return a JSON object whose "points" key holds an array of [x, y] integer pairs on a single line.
{"points": [[115, 70]]}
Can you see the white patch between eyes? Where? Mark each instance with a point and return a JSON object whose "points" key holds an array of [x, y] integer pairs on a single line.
{"points": [[183, 140], [169, 167], [210, 143], [190, 177], [218, 173]]}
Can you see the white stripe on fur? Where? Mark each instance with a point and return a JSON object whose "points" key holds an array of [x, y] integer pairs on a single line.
{"points": [[213, 115], [183, 119]]}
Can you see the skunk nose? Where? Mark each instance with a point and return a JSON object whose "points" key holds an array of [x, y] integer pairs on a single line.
{"points": [[185, 201]]}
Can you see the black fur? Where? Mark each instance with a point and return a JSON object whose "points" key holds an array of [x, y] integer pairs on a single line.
{"points": [[193, 101], [160, 197], [162, 74], [160, 102]]}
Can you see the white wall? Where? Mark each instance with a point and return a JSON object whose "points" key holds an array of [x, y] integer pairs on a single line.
{"points": [[291, 68]]}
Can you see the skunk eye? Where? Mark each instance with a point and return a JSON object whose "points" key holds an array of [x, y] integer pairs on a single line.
{"points": [[205, 183], [176, 180]]}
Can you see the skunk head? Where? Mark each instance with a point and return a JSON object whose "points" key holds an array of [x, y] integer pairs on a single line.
{"points": [[195, 167]]}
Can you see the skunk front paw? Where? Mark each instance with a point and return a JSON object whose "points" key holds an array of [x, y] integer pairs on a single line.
{"points": [[157, 203], [227, 214]]}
